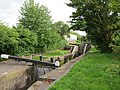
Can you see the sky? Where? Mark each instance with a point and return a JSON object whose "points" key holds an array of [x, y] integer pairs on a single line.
{"points": [[9, 10]]}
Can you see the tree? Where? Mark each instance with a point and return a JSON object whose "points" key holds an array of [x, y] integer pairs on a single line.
{"points": [[37, 19], [98, 18], [56, 41], [61, 28], [34, 17]]}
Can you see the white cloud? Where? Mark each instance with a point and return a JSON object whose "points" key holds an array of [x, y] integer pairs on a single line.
{"points": [[9, 10], [59, 10]]}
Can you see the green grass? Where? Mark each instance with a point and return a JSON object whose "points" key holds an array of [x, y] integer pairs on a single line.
{"points": [[52, 54], [36, 57], [56, 53], [96, 71]]}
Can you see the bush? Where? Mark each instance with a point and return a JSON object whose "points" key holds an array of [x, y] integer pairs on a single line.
{"points": [[27, 41], [116, 41], [8, 40]]}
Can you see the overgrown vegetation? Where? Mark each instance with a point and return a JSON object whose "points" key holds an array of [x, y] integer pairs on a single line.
{"points": [[35, 32], [96, 71], [8, 39]]}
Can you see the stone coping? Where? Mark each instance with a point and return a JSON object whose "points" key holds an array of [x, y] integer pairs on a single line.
{"points": [[49, 79]]}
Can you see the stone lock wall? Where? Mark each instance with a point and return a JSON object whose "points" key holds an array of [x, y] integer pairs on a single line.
{"points": [[19, 79]]}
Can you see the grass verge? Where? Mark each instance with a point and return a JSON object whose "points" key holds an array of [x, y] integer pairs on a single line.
{"points": [[52, 54], [96, 71]]}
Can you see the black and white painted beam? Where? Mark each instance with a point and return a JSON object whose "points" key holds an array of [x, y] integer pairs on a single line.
{"points": [[35, 62], [4, 56]]}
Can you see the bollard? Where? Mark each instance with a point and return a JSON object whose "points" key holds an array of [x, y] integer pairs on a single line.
{"points": [[51, 59], [57, 63], [41, 57]]}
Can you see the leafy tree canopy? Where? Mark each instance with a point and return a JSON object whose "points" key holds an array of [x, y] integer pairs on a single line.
{"points": [[27, 41], [62, 28], [116, 41], [37, 19], [8, 39], [99, 18]]}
